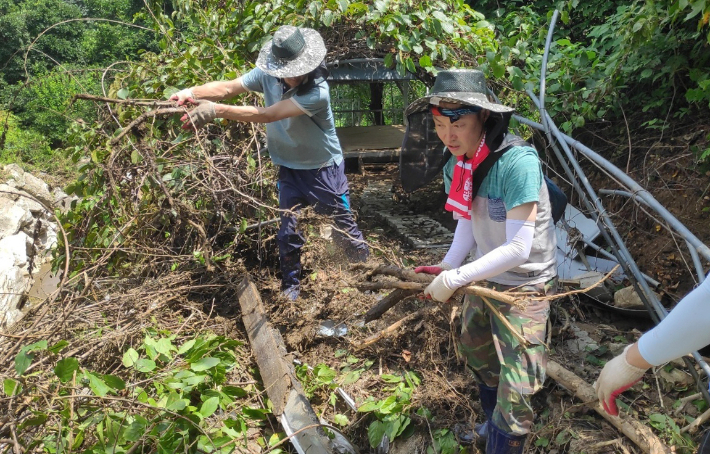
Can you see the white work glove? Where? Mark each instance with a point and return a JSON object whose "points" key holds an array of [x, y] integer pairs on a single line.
{"points": [[200, 115], [182, 96], [433, 269], [616, 377], [438, 290]]}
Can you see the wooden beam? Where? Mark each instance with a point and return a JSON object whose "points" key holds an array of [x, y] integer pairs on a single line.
{"points": [[290, 403]]}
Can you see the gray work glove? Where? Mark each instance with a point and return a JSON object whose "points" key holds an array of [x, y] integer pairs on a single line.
{"points": [[200, 115]]}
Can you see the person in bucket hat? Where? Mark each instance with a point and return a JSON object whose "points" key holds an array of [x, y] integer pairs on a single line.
{"points": [[300, 135], [497, 193]]}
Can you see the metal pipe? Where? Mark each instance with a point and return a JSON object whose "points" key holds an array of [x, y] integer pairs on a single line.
{"points": [[642, 194], [628, 194], [696, 261], [543, 69], [605, 224], [638, 193]]}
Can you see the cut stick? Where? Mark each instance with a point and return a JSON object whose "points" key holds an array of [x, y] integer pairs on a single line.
{"points": [[636, 431], [387, 303], [693, 426], [503, 297], [389, 330]]}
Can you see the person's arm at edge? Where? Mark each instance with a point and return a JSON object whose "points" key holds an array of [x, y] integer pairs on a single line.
{"points": [[282, 109], [219, 90]]}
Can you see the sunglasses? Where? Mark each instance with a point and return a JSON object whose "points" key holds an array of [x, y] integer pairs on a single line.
{"points": [[454, 114]]}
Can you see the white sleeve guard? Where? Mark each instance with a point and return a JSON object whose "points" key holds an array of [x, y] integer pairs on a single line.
{"points": [[516, 250], [461, 245], [685, 329]]}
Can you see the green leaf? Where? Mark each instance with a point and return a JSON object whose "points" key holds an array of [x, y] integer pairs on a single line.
{"points": [[184, 348], [145, 365], [25, 357], [65, 369], [122, 93], [11, 387], [204, 364], [425, 61], [389, 60], [37, 420], [164, 346], [134, 431], [328, 18], [114, 382], [341, 420], [209, 406], [97, 385], [375, 432], [410, 65], [389, 378], [175, 402], [563, 437], [369, 406], [58, 347], [234, 391], [130, 357]]}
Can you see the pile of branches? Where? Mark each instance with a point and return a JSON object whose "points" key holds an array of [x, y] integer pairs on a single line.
{"points": [[165, 224], [161, 198]]}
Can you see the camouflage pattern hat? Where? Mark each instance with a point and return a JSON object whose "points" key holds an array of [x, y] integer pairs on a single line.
{"points": [[461, 86], [293, 52]]}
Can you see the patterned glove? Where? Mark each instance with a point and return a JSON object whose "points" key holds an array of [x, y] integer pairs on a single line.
{"points": [[200, 115], [182, 96], [433, 269], [616, 377], [438, 290]]}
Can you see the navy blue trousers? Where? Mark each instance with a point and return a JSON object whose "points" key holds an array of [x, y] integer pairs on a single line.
{"points": [[326, 189]]}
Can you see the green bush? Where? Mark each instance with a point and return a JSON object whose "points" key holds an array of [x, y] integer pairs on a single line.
{"points": [[22, 145]]}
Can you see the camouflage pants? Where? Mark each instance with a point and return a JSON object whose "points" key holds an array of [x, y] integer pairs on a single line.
{"points": [[498, 359]]}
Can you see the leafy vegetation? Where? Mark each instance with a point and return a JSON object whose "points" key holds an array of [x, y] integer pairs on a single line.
{"points": [[164, 397]]}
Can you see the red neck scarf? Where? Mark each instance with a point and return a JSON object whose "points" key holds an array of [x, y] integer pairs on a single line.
{"points": [[460, 197]]}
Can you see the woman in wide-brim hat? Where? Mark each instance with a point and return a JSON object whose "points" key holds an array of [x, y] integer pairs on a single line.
{"points": [[500, 199], [300, 136]]}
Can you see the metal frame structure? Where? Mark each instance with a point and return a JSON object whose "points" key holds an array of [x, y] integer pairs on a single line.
{"points": [[562, 146]]}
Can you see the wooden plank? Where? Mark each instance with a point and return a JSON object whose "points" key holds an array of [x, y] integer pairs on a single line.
{"points": [[267, 345], [386, 139], [279, 377]]}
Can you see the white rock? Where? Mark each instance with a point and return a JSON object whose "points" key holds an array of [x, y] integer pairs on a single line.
{"points": [[628, 298]]}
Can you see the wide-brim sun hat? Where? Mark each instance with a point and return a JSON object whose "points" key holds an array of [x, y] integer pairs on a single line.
{"points": [[293, 52], [422, 154], [460, 86]]}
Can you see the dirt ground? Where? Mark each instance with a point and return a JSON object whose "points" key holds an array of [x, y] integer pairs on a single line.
{"points": [[426, 343]]}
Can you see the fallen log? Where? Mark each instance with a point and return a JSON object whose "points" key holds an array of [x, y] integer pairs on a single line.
{"points": [[636, 431]]}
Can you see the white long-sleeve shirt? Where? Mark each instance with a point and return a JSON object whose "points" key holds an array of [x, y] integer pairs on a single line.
{"points": [[685, 329]]}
